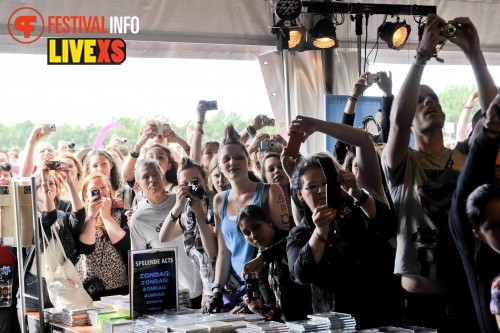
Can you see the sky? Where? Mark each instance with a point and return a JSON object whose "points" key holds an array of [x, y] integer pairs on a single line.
{"points": [[81, 95]]}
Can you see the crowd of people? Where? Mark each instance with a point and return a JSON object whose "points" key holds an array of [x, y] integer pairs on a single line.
{"points": [[392, 234]]}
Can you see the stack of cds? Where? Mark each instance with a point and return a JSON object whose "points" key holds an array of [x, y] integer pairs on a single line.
{"points": [[184, 298], [252, 317], [53, 315], [336, 320], [307, 326], [116, 326], [216, 326], [193, 328], [76, 316], [267, 326]]}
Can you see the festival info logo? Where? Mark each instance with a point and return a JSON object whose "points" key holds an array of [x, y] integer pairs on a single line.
{"points": [[26, 25]]}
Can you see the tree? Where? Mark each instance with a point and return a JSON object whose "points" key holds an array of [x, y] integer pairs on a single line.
{"points": [[452, 98]]}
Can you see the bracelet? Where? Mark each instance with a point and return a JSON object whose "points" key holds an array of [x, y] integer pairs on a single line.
{"points": [[354, 99], [467, 107], [134, 154], [90, 218], [427, 55], [200, 131], [321, 239], [174, 219], [419, 62], [219, 286], [362, 200], [46, 192]]}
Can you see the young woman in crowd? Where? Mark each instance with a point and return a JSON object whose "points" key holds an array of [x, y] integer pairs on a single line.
{"points": [[75, 172], [69, 224], [233, 251], [99, 160], [343, 254], [192, 217], [475, 220], [272, 172], [217, 182], [282, 299], [105, 240]]}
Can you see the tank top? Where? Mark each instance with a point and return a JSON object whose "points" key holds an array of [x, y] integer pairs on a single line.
{"points": [[241, 251]]}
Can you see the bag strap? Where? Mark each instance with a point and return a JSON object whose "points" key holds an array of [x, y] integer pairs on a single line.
{"points": [[264, 196], [47, 246]]}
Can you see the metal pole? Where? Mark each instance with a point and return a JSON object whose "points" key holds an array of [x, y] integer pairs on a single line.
{"points": [[359, 31], [287, 87], [36, 233]]}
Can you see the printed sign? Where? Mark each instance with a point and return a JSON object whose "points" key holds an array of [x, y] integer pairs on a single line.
{"points": [[153, 281]]}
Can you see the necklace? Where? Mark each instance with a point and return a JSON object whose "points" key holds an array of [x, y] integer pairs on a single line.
{"points": [[241, 204]]}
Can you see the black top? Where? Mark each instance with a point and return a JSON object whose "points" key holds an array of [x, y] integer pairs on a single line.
{"points": [[479, 169], [355, 274]]}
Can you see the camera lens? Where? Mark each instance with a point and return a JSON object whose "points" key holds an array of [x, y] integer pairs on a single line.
{"points": [[6, 166], [252, 286], [71, 145], [272, 145]]}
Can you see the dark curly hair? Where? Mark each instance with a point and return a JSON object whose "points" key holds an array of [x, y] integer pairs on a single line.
{"points": [[188, 163]]}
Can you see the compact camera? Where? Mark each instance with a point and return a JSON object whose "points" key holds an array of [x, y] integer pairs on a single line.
{"points": [[71, 144], [4, 190], [268, 121], [123, 140], [196, 189], [373, 78], [6, 166], [211, 105], [252, 286], [54, 165], [268, 144], [450, 30], [49, 128], [95, 192], [162, 130]]}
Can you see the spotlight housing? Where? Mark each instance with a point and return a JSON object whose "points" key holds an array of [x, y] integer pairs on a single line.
{"points": [[324, 35], [395, 34], [288, 9], [290, 35]]}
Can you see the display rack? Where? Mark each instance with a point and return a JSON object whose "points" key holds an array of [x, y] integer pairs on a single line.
{"points": [[21, 181]]}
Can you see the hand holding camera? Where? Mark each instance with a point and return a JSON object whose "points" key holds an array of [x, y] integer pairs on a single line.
{"points": [[261, 120], [464, 35]]}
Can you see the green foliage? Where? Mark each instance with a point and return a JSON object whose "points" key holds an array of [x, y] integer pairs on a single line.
{"points": [[452, 98], [17, 134]]}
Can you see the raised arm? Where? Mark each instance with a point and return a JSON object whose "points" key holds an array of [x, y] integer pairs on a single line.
{"points": [[369, 169], [405, 103], [129, 164], [468, 41], [195, 152], [257, 123], [27, 161], [385, 84], [463, 120]]}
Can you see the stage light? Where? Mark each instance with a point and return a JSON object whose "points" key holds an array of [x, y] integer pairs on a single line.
{"points": [[395, 34], [288, 9], [290, 32], [324, 35]]}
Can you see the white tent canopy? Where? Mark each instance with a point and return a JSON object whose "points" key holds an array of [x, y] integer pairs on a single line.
{"points": [[237, 29]]}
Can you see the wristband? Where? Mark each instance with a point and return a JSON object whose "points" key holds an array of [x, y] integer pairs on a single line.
{"points": [[90, 218], [467, 107], [362, 200], [173, 218], [219, 286], [46, 192], [354, 99], [134, 154], [489, 130], [321, 239]]}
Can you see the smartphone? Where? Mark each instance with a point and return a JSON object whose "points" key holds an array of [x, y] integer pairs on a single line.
{"points": [[54, 165], [293, 146], [96, 192], [373, 78], [164, 129], [332, 189], [49, 128]]}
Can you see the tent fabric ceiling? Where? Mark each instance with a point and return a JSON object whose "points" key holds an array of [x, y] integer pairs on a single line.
{"points": [[239, 29]]}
